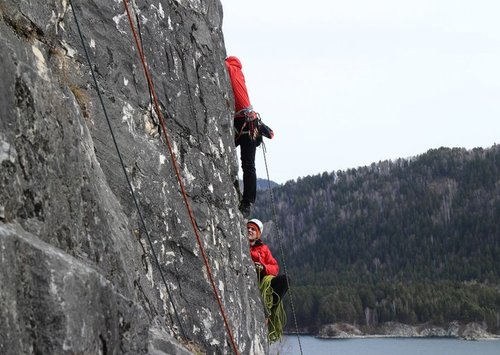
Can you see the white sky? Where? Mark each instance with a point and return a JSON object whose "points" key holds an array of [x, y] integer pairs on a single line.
{"points": [[347, 83]]}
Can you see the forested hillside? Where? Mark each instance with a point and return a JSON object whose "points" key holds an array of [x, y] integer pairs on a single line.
{"points": [[413, 240]]}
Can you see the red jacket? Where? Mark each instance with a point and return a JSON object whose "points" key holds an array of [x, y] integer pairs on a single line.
{"points": [[241, 99], [261, 254]]}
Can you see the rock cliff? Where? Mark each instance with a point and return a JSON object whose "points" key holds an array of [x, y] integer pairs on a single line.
{"points": [[77, 273]]}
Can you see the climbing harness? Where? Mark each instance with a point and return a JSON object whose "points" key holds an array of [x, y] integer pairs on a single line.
{"points": [[280, 242], [249, 117], [255, 128], [179, 179], [143, 224], [275, 313]]}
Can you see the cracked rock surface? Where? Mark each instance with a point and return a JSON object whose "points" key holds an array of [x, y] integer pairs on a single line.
{"points": [[76, 269]]}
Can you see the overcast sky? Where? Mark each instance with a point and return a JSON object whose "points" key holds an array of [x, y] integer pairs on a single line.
{"points": [[347, 83]]}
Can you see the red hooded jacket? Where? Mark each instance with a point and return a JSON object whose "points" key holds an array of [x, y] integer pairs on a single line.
{"points": [[240, 92], [260, 253]]}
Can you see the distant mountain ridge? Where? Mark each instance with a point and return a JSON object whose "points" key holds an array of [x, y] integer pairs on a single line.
{"points": [[263, 184], [394, 240]]}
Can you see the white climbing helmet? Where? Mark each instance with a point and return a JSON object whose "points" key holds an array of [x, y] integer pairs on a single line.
{"points": [[258, 223]]}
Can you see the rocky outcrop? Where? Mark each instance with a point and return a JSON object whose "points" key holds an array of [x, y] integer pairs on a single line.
{"points": [[76, 269], [339, 331]]}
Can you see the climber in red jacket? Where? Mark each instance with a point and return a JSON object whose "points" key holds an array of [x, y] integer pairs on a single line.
{"points": [[265, 263], [244, 114]]}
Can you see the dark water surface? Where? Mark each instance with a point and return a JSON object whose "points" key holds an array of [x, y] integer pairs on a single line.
{"points": [[386, 346]]}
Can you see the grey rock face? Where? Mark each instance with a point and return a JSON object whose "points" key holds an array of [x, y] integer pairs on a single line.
{"points": [[76, 269]]}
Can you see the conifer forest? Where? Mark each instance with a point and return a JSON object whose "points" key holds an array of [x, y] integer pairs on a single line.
{"points": [[413, 240]]}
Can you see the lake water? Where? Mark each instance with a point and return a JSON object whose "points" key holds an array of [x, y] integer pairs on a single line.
{"points": [[385, 346]]}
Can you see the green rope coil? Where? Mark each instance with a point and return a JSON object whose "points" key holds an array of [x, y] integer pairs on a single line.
{"points": [[275, 313]]}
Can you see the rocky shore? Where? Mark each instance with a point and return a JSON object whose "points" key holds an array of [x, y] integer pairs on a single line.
{"points": [[469, 331]]}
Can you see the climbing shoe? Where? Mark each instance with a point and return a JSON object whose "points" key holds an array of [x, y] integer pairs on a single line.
{"points": [[246, 208]]}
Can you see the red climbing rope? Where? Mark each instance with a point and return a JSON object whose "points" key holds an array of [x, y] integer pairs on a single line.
{"points": [[178, 174]]}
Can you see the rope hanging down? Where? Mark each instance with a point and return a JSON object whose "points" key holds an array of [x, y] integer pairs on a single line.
{"points": [[280, 242], [179, 179], [143, 224]]}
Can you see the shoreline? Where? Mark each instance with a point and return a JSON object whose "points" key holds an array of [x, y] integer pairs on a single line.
{"points": [[381, 336], [367, 336], [453, 330]]}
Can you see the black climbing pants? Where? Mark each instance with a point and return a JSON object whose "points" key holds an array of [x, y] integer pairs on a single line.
{"points": [[280, 286], [247, 149]]}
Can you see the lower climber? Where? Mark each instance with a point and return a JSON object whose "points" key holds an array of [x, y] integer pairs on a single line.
{"points": [[267, 270]]}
